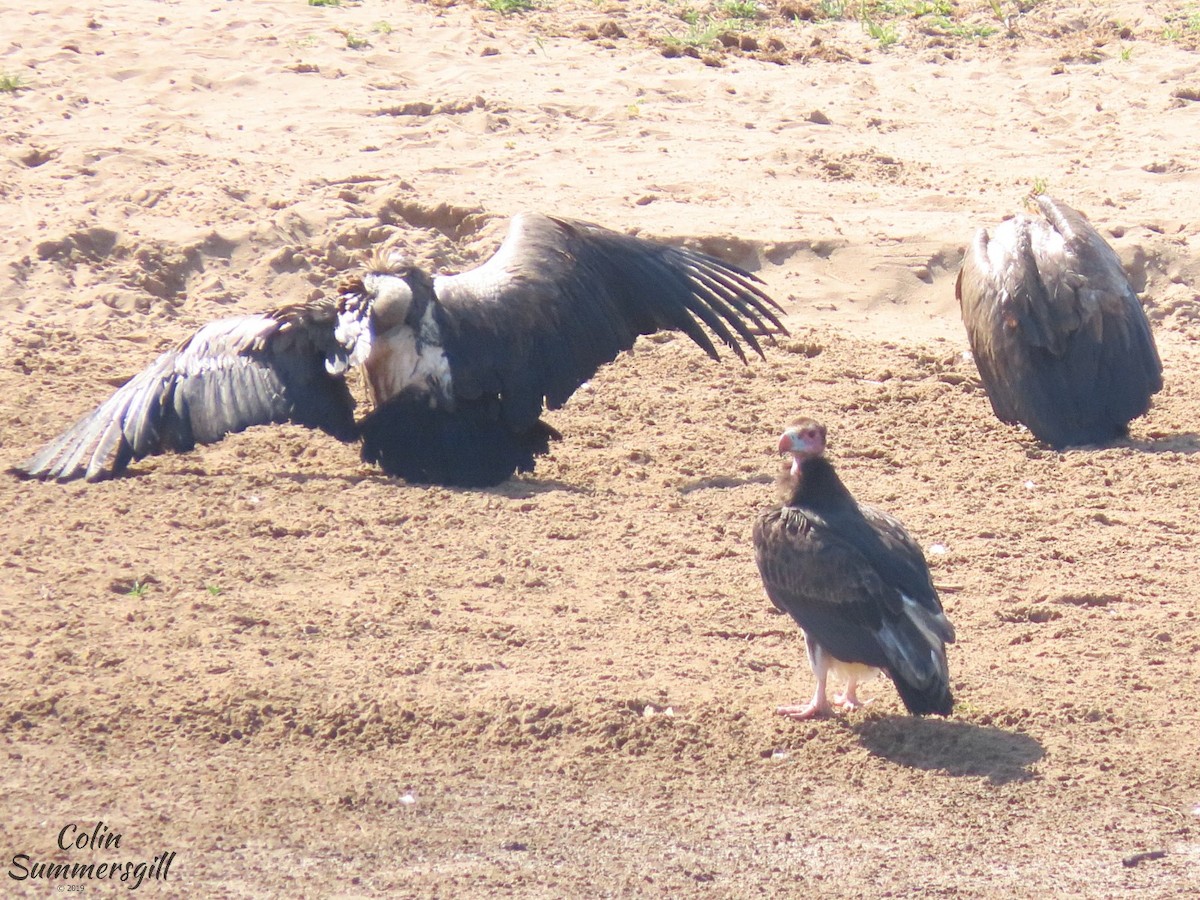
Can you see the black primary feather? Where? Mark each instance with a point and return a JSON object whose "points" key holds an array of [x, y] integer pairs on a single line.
{"points": [[1060, 339], [561, 298]]}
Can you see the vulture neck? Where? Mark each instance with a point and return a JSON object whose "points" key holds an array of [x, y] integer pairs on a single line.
{"points": [[816, 487]]}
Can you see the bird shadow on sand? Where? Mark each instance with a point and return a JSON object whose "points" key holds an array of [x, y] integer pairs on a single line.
{"points": [[956, 748], [514, 489], [521, 488], [1187, 442]]}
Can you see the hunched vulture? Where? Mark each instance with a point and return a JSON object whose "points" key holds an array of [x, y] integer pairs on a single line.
{"points": [[854, 581], [459, 367], [1058, 334]]}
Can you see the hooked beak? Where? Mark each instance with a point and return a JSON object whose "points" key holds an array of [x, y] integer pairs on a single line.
{"points": [[802, 441]]}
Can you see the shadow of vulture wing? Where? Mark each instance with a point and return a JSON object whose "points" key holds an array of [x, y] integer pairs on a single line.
{"points": [[229, 375], [560, 298], [1058, 334]]}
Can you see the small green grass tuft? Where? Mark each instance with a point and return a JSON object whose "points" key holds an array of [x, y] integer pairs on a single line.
{"points": [[354, 41], [138, 589], [213, 590], [1040, 186], [739, 9], [975, 32], [382, 27], [324, 2], [832, 9], [10, 84], [505, 7], [883, 33], [700, 34], [965, 709]]}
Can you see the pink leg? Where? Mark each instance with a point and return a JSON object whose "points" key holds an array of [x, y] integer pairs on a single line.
{"points": [[819, 705], [849, 699]]}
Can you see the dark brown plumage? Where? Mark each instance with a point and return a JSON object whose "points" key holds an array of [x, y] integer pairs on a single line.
{"points": [[1058, 334], [460, 367], [856, 583]]}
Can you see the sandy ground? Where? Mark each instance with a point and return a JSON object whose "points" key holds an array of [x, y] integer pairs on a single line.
{"points": [[304, 678]]}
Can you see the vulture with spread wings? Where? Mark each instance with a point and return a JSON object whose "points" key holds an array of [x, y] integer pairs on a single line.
{"points": [[1058, 334], [855, 581], [459, 367]]}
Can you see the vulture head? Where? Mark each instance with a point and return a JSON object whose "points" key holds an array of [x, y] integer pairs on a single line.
{"points": [[803, 439], [394, 294], [399, 292]]}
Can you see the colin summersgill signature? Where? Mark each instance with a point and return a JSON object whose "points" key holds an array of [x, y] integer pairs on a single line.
{"points": [[74, 839]]}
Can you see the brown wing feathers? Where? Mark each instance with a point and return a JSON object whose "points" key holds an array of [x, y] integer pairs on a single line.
{"points": [[1060, 339]]}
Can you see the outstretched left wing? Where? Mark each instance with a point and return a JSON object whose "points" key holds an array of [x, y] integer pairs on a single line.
{"points": [[229, 375]]}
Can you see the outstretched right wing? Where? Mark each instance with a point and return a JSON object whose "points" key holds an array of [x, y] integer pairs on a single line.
{"points": [[229, 375], [561, 298]]}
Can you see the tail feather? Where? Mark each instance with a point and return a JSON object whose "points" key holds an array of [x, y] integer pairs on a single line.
{"points": [[931, 698], [915, 646]]}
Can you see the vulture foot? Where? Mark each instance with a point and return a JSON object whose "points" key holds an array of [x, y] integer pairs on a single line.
{"points": [[850, 699], [807, 711]]}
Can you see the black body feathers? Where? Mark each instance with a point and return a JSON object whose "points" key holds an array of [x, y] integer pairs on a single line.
{"points": [[857, 584], [1058, 334]]}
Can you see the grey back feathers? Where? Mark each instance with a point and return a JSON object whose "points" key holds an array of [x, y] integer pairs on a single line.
{"points": [[468, 359], [1059, 337]]}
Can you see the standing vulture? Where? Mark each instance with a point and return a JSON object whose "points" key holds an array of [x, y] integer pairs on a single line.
{"points": [[1061, 341], [856, 583], [458, 366]]}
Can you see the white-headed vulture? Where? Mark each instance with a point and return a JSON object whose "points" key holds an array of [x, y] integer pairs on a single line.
{"points": [[459, 367], [1061, 341], [856, 583]]}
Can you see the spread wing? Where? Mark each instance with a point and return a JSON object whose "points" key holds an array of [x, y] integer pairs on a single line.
{"points": [[229, 375], [1060, 339], [561, 298], [869, 602]]}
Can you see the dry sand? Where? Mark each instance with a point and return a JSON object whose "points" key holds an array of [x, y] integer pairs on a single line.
{"points": [[307, 679]]}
